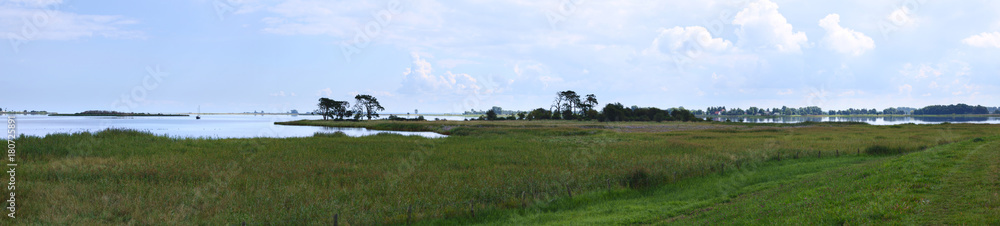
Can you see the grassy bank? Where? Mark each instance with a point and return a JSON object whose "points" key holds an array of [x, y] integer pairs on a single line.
{"points": [[953, 184], [117, 176]]}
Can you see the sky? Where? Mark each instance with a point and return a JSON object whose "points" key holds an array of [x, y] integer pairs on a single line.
{"points": [[453, 56]]}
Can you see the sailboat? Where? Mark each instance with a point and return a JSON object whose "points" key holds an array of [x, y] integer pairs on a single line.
{"points": [[199, 113]]}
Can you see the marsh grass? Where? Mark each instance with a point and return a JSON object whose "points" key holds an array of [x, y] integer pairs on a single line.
{"points": [[127, 177]]}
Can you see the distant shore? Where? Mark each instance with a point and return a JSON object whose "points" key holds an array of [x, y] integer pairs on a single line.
{"points": [[845, 116], [123, 115]]}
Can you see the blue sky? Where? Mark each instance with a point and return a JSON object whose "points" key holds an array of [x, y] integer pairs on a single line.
{"points": [[452, 56]]}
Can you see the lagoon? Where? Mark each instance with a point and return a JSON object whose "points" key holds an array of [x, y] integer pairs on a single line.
{"points": [[209, 126]]}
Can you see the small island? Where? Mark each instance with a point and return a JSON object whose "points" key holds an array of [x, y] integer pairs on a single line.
{"points": [[115, 113]]}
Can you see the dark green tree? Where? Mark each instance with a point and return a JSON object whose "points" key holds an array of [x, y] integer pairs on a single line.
{"points": [[326, 106], [588, 106], [366, 106], [491, 115], [539, 113], [614, 112], [341, 109]]}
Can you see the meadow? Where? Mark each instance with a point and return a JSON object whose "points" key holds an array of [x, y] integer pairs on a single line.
{"points": [[482, 172]]}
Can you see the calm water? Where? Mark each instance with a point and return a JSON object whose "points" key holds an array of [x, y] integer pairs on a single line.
{"points": [[213, 126], [889, 120], [243, 126]]}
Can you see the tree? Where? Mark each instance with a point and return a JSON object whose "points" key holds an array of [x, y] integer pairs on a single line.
{"points": [[567, 114], [367, 106], [614, 112], [340, 109], [567, 101], [951, 109], [491, 115], [683, 115], [325, 107], [557, 104], [521, 115], [588, 106], [572, 102], [539, 113]]}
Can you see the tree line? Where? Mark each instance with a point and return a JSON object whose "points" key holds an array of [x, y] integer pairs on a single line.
{"points": [[365, 106], [813, 110], [569, 105], [784, 110], [955, 109]]}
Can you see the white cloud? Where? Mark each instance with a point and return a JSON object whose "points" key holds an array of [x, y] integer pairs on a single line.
{"points": [[325, 92], [906, 89], [688, 40], [43, 20], [420, 78], [948, 77], [842, 39], [762, 26], [532, 71], [986, 39]]}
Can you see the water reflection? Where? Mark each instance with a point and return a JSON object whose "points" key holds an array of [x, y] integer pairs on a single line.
{"points": [[357, 132]]}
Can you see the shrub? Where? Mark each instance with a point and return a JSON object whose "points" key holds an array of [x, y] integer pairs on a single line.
{"points": [[879, 149], [638, 178]]}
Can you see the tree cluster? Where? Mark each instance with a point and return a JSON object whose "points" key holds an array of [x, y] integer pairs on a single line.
{"points": [[893, 111], [784, 110], [956, 109], [570, 105], [852, 111], [617, 112], [365, 106]]}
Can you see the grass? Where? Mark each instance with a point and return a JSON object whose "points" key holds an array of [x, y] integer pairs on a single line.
{"points": [[128, 177], [954, 184], [664, 204]]}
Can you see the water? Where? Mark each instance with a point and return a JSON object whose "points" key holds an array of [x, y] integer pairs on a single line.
{"points": [[885, 120], [211, 126]]}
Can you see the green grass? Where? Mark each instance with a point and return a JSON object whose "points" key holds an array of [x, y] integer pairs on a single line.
{"points": [[954, 184], [123, 177], [653, 205]]}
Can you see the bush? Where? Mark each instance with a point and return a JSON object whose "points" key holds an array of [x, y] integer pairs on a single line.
{"points": [[334, 134], [638, 178], [879, 149], [978, 139]]}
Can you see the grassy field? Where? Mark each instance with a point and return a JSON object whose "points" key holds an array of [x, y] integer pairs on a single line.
{"points": [[953, 184], [482, 172]]}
